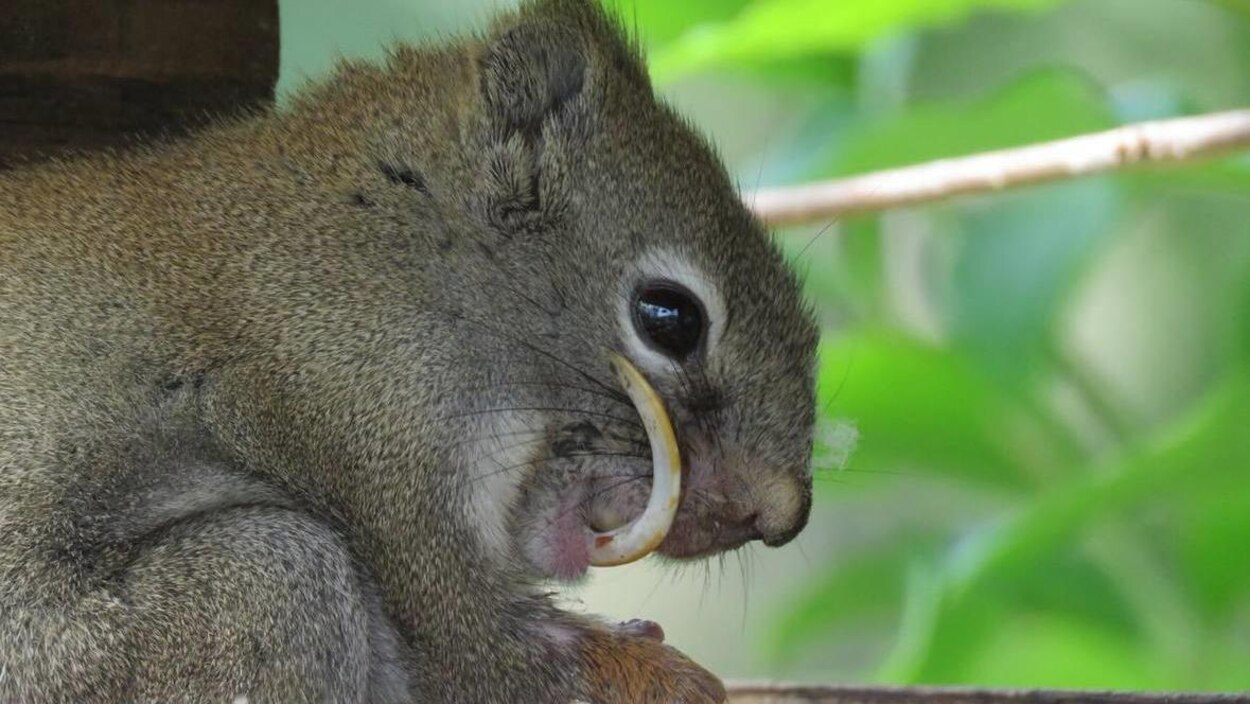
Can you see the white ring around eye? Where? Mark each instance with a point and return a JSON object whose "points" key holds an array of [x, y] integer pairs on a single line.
{"points": [[668, 265]]}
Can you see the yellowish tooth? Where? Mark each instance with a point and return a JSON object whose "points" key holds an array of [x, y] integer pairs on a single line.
{"points": [[640, 538]]}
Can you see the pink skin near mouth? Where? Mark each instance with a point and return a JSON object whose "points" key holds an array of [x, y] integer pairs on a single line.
{"points": [[564, 552], [563, 545]]}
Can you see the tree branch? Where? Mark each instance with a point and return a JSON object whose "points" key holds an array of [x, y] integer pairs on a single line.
{"points": [[1165, 141]]}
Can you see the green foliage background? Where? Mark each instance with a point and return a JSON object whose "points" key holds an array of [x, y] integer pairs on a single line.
{"points": [[1067, 362], [1051, 385]]}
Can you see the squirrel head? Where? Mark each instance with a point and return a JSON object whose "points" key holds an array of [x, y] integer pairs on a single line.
{"points": [[563, 213]]}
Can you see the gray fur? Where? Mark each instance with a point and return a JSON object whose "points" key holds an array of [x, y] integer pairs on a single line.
{"points": [[252, 382]]}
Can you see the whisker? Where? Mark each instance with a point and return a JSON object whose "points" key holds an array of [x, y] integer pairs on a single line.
{"points": [[517, 433], [548, 384], [547, 354], [599, 492], [638, 444], [815, 237], [720, 573], [659, 580], [870, 472], [541, 409], [846, 374], [703, 591], [547, 460], [742, 575]]}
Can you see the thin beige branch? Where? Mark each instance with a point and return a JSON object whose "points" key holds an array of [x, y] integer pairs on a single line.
{"points": [[1178, 140]]}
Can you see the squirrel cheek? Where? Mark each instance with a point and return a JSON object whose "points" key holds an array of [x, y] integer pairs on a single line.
{"points": [[558, 546], [493, 492]]}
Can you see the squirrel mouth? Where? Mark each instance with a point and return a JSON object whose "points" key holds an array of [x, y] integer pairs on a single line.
{"points": [[608, 515], [640, 537]]}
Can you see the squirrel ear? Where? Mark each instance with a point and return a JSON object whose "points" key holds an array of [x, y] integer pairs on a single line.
{"points": [[529, 71]]}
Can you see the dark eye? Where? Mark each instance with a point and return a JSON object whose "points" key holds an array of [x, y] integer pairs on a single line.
{"points": [[669, 318]]}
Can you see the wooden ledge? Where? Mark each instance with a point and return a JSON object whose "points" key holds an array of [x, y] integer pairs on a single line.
{"points": [[765, 693]]}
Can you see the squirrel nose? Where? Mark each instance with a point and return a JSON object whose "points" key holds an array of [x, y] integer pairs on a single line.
{"points": [[784, 506]]}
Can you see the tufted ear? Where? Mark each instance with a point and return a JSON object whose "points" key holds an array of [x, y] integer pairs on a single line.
{"points": [[544, 77], [529, 72], [533, 79]]}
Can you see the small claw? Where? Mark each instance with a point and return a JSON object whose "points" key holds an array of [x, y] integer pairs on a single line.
{"points": [[641, 628]]}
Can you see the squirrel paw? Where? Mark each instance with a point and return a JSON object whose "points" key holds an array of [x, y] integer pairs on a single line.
{"points": [[632, 665]]}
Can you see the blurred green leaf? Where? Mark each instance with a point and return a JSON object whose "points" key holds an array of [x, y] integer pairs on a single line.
{"points": [[1071, 584], [919, 407], [1017, 259], [1017, 253], [867, 586], [1241, 327], [843, 268], [861, 267], [944, 633], [1196, 453], [1239, 7], [773, 29], [1212, 530], [1229, 175], [1200, 447], [1040, 106], [1039, 649], [657, 22]]}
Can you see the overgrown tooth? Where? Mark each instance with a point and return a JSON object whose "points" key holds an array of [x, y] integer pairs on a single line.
{"points": [[639, 538]]}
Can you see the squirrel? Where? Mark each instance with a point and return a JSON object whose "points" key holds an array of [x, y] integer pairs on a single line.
{"points": [[316, 403]]}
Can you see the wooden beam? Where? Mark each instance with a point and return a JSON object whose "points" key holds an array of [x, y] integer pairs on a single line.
{"points": [[84, 74], [802, 694]]}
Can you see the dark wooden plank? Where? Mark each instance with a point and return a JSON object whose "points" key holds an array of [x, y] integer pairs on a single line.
{"points": [[796, 694], [79, 74]]}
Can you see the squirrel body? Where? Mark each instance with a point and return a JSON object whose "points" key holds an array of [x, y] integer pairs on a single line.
{"points": [[307, 406]]}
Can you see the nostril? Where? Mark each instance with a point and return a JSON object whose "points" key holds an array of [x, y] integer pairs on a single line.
{"points": [[752, 524]]}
